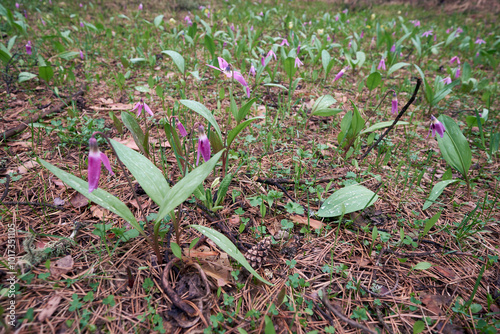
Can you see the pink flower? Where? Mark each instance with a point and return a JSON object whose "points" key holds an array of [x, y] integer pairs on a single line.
{"points": [[226, 69], [28, 48], [381, 64], [446, 80], [81, 54], [457, 73], [140, 105], [284, 42], [394, 108], [81, 24], [271, 54], [81, 6], [362, 34], [181, 128], [298, 63], [459, 31], [298, 50], [453, 59], [252, 70], [416, 23], [43, 22], [448, 30], [203, 145], [340, 74], [140, 6], [480, 41], [344, 11], [436, 126], [232, 27], [94, 164], [393, 48], [17, 5], [427, 33]]}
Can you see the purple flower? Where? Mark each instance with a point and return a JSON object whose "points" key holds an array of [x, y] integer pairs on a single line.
{"points": [[394, 108], [477, 54], [452, 60], [298, 50], [140, 6], [340, 74], [181, 128], [362, 34], [480, 41], [81, 24], [261, 14], [457, 73], [393, 48], [459, 31], [251, 28], [81, 54], [344, 11], [94, 166], [284, 42], [436, 126], [226, 69], [43, 22], [252, 71], [381, 64], [140, 105], [298, 63], [28, 48], [232, 27], [81, 6], [337, 18], [188, 20], [416, 23], [17, 5], [203, 145], [448, 30], [349, 45], [446, 80], [427, 33]]}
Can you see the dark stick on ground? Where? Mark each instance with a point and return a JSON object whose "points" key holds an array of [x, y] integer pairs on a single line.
{"points": [[401, 113], [54, 110]]}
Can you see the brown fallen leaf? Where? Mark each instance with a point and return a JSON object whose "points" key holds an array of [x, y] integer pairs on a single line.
{"points": [[315, 224], [61, 266], [433, 302], [57, 182], [129, 142], [49, 308], [221, 275], [23, 169], [78, 200], [446, 272], [98, 211]]}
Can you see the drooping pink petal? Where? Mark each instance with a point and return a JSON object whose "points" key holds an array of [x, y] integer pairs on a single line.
{"points": [[94, 170], [105, 161]]}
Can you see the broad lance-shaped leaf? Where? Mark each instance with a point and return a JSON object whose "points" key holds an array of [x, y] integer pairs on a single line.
{"points": [[237, 129], [382, 125], [203, 111], [396, 67], [373, 80], [145, 172], [185, 187], [227, 246], [436, 191], [177, 58], [322, 106], [98, 196], [454, 147], [134, 128], [346, 200]]}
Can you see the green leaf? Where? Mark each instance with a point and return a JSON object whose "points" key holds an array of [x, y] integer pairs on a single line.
{"points": [[346, 200], [422, 266], [5, 56], [158, 20], [322, 104], [68, 55], [418, 327], [325, 59], [361, 57], [276, 85], [224, 186], [436, 191], [45, 72], [203, 111], [186, 186], [242, 113], [143, 89], [25, 76], [209, 45], [290, 68], [438, 96], [145, 172], [269, 327], [98, 196], [454, 147], [176, 249], [237, 129], [430, 223], [227, 246], [382, 125], [177, 58], [373, 80], [131, 124], [396, 67]]}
